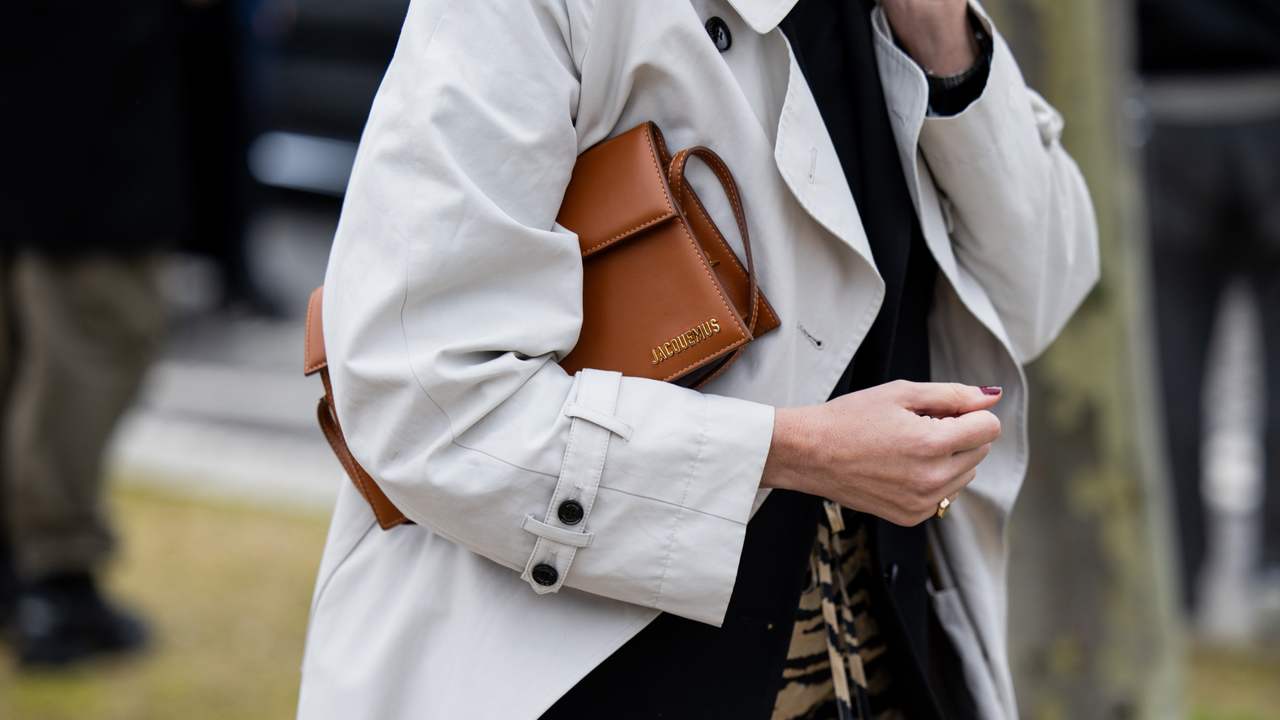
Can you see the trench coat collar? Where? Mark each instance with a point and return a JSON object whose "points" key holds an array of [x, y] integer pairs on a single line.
{"points": [[763, 15]]}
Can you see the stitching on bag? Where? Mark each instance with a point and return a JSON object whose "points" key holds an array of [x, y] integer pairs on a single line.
{"points": [[702, 210], [717, 166], [624, 233], [709, 358], [732, 313], [760, 305], [310, 368], [723, 300], [306, 341], [648, 136]]}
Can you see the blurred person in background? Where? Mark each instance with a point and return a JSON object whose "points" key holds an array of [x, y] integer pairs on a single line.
{"points": [[1212, 86], [90, 192]]}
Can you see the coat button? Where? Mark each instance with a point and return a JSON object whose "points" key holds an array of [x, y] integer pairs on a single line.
{"points": [[545, 575], [719, 32], [570, 512], [890, 574]]}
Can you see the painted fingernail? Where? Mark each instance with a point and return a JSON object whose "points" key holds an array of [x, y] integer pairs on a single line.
{"points": [[990, 389]]}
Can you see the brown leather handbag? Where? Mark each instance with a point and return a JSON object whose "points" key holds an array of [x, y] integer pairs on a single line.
{"points": [[664, 295]]}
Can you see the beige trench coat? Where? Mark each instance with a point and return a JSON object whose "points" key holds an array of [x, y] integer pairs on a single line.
{"points": [[451, 293]]}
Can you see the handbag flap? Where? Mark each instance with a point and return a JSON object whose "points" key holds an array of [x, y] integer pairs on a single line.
{"points": [[618, 188]]}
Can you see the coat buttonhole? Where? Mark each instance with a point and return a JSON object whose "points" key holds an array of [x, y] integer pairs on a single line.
{"points": [[809, 336], [813, 163], [948, 215]]}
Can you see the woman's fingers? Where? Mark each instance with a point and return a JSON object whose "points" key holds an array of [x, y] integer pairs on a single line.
{"points": [[966, 460], [941, 439], [874, 452], [951, 491], [944, 400], [958, 483]]}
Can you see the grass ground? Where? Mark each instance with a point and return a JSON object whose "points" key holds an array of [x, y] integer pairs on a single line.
{"points": [[227, 589], [1234, 685]]}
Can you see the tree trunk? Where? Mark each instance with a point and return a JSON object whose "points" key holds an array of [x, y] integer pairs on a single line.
{"points": [[1094, 627]]}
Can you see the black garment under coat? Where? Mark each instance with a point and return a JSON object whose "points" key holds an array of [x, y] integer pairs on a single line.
{"points": [[678, 668]]}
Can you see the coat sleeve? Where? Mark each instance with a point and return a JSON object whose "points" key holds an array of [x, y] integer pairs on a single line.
{"points": [[1020, 214], [451, 294]]}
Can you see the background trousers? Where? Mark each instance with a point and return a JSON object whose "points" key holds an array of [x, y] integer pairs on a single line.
{"points": [[1214, 193], [76, 336]]}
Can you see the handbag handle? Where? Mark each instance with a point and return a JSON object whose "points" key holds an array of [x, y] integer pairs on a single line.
{"points": [[675, 177]]}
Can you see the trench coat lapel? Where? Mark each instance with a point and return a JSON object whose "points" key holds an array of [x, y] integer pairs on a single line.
{"points": [[810, 167], [906, 95], [803, 151]]}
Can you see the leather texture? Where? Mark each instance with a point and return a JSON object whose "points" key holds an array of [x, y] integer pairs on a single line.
{"points": [[314, 361], [671, 301], [664, 295], [314, 358]]}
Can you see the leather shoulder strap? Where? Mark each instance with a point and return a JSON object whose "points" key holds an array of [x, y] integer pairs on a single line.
{"points": [[315, 360], [385, 511]]}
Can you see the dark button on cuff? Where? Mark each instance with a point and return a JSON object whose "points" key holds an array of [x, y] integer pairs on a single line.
{"points": [[545, 575], [719, 32], [571, 512]]}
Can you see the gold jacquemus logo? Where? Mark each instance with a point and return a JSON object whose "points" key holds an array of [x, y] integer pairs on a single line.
{"points": [[685, 339]]}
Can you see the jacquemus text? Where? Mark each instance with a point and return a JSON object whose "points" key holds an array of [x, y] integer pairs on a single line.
{"points": [[685, 339]]}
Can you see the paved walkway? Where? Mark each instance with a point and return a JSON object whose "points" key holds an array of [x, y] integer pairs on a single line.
{"points": [[226, 412]]}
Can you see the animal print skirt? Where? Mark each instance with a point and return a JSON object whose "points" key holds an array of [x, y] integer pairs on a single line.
{"points": [[837, 667]]}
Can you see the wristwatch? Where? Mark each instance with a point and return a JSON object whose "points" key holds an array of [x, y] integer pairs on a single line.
{"points": [[940, 83]]}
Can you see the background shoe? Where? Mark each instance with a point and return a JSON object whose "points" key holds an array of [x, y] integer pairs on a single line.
{"points": [[63, 618]]}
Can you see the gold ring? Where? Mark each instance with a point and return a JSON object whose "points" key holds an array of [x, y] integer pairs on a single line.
{"points": [[943, 507]]}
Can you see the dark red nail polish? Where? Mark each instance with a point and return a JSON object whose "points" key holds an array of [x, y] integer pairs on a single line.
{"points": [[990, 389]]}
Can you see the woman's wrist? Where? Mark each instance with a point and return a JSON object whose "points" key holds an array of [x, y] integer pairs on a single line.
{"points": [[790, 443], [935, 33]]}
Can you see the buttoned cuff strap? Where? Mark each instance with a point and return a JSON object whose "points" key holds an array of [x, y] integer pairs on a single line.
{"points": [[561, 534], [608, 422], [555, 534]]}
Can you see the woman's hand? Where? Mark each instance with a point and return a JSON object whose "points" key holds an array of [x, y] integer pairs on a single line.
{"points": [[894, 451], [935, 33]]}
